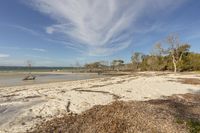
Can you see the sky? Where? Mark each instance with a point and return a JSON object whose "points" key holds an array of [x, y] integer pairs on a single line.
{"points": [[71, 32]]}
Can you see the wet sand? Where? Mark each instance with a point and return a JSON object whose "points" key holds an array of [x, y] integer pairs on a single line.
{"points": [[8, 79]]}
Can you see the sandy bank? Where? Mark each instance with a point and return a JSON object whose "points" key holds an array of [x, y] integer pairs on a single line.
{"points": [[23, 106]]}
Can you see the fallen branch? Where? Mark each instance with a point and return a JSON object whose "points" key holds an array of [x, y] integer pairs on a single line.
{"points": [[67, 106]]}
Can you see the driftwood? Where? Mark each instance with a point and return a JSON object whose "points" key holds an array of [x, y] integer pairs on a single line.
{"points": [[67, 106], [30, 77]]}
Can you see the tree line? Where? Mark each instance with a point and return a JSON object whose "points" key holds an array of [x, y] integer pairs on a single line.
{"points": [[169, 55]]}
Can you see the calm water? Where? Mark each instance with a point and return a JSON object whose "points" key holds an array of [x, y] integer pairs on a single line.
{"points": [[16, 79]]}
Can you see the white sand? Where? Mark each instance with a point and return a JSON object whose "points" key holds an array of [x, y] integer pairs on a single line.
{"points": [[23, 106]]}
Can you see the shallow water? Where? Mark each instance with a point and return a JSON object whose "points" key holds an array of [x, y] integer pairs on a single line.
{"points": [[14, 79]]}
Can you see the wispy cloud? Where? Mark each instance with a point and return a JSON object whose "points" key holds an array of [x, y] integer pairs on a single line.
{"points": [[18, 48], [4, 55], [25, 29], [10, 48], [39, 50], [101, 26]]}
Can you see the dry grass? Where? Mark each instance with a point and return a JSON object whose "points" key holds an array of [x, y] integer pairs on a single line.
{"points": [[175, 114]]}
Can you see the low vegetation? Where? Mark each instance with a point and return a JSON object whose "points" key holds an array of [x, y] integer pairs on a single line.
{"points": [[193, 125]]}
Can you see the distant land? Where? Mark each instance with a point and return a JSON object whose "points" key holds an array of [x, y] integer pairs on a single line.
{"points": [[38, 68]]}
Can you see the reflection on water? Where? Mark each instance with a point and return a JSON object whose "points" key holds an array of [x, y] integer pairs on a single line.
{"points": [[15, 80]]}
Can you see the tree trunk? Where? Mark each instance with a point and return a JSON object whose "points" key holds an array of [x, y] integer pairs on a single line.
{"points": [[174, 62], [175, 68]]}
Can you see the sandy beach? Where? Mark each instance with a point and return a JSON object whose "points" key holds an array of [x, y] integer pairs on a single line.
{"points": [[21, 107]]}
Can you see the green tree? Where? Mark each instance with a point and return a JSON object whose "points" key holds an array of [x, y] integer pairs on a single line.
{"points": [[117, 64]]}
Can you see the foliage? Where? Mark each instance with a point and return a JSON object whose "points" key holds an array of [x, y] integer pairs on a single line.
{"points": [[95, 66], [174, 56], [176, 50], [117, 64]]}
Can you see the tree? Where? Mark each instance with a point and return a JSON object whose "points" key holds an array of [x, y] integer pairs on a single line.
{"points": [[96, 66], [191, 62], [176, 49], [158, 50], [117, 63], [157, 59], [136, 59]]}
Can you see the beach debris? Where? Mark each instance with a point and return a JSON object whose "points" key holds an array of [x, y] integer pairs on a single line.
{"points": [[67, 106], [192, 81], [30, 77], [162, 115], [31, 97], [115, 97], [3, 108]]}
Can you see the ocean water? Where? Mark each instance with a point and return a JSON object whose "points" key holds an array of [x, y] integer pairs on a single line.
{"points": [[16, 79]]}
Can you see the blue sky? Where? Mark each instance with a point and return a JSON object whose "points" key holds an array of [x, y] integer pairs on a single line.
{"points": [[64, 32]]}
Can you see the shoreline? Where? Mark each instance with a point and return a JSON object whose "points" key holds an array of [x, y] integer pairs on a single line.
{"points": [[21, 107], [8, 79]]}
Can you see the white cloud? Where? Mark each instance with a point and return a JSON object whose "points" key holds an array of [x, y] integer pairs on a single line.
{"points": [[99, 25], [4, 55], [50, 30], [39, 50]]}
